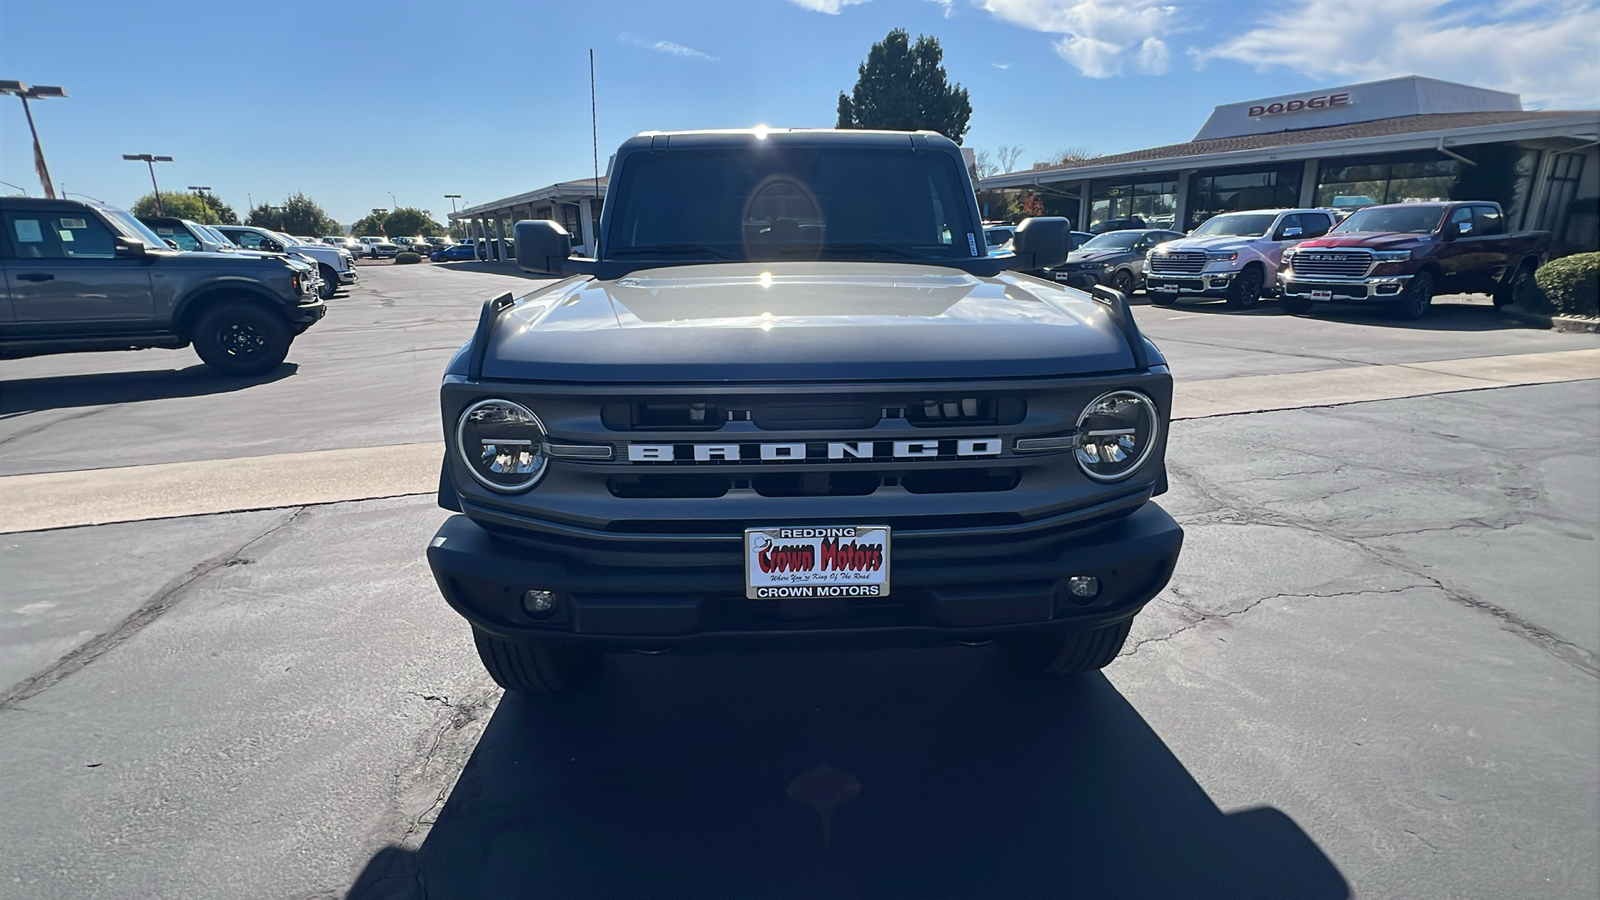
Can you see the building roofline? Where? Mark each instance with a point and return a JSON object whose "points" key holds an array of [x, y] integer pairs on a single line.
{"points": [[577, 189], [1430, 139]]}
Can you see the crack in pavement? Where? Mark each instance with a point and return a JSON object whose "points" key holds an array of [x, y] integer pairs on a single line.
{"points": [[1257, 514], [161, 601], [1205, 617], [29, 432]]}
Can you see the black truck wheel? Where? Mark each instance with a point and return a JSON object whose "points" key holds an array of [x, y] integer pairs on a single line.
{"points": [[1417, 297], [241, 338], [1066, 653], [1506, 294], [330, 282], [1246, 288], [533, 667]]}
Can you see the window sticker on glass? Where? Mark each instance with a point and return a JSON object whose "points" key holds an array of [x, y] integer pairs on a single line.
{"points": [[28, 231], [66, 235], [74, 223], [972, 243]]}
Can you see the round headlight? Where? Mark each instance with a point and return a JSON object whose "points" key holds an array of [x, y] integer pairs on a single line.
{"points": [[502, 445], [1118, 431]]}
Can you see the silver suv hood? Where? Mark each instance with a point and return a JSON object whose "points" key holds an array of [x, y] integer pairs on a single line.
{"points": [[803, 321]]}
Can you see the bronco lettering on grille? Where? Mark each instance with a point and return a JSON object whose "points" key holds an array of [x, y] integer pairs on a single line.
{"points": [[963, 448]]}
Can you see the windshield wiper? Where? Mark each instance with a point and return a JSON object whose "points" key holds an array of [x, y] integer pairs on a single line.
{"points": [[672, 249]]}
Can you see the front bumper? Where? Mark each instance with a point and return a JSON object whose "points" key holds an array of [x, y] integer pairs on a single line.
{"points": [[702, 605], [349, 276], [1332, 290], [1213, 284]]}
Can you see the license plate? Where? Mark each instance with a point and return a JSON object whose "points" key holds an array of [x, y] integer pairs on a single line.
{"points": [[1322, 295], [816, 561], [1167, 288]]}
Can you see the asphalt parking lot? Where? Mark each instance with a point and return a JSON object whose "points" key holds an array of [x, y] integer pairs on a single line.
{"points": [[1374, 673]]}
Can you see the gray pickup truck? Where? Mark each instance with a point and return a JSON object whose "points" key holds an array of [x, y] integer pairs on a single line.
{"points": [[794, 401], [82, 277]]}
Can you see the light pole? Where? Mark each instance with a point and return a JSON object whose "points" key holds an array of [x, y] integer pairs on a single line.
{"points": [[452, 198], [151, 160], [17, 186], [393, 200], [27, 92]]}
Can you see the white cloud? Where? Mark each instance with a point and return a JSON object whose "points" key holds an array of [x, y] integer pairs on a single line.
{"points": [[831, 7], [666, 47], [1546, 50], [1002, 65], [1099, 37], [949, 6]]}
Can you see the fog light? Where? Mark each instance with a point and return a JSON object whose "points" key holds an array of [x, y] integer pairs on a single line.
{"points": [[539, 603], [1083, 587]]}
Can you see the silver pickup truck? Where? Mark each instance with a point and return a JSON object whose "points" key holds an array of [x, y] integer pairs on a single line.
{"points": [[83, 276], [796, 401]]}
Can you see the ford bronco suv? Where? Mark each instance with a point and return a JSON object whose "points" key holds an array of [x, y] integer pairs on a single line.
{"points": [[795, 401], [1233, 255], [82, 277], [1402, 254]]}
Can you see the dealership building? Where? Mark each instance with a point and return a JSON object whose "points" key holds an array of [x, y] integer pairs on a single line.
{"points": [[1405, 139], [575, 204]]}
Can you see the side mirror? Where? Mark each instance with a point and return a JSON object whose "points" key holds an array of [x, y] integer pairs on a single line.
{"points": [[542, 246], [272, 246], [1040, 243], [128, 248]]}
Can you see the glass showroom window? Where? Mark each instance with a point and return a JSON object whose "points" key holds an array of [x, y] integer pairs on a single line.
{"points": [[1349, 184], [1154, 201], [1218, 192]]}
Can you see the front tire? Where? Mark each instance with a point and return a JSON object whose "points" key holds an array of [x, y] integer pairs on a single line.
{"points": [[241, 338], [330, 282], [1123, 282], [534, 666], [1417, 298], [1066, 653], [1246, 289]]}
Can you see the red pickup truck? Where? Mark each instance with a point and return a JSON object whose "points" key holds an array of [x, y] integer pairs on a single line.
{"points": [[1402, 254]]}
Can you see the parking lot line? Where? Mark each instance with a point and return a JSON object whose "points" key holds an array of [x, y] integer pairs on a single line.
{"points": [[170, 490]]}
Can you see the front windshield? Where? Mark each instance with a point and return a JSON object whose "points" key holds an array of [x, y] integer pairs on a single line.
{"points": [[1241, 224], [287, 240], [792, 203], [219, 237], [131, 227], [1114, 240], [1398, 219]]}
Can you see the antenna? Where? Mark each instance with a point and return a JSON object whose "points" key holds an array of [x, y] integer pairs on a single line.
{"points": [[594, 127]]}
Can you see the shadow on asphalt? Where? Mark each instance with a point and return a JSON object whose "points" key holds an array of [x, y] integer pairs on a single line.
{"points": [[106, 388], [673, 778]]}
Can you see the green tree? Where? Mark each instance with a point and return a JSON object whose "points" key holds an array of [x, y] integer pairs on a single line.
{"points": [[903, 87], [297, 214], [371, 224], [224, 213], [408, 221], [181, 206]]}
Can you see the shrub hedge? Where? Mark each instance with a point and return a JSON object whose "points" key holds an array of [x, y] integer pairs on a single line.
{"points": [[407, 257], [1569, 286]]}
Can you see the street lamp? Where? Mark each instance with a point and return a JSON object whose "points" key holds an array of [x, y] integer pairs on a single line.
{"points": [[452, 198], [150, 160], [17, 186], [26, 92], [392, 200]]}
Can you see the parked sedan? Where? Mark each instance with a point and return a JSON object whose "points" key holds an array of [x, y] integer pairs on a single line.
{"points": [[452, 253], [1115, 258]]}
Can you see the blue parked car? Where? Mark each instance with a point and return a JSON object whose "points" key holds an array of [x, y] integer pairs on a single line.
{"points": [[452, 253]]}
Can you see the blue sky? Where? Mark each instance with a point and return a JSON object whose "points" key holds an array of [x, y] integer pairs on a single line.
{"points": [[350, 101]]}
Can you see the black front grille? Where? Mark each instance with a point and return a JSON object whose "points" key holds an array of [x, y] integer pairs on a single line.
{"points": [[1332, 263], [813, 483], [1178, 262]]}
